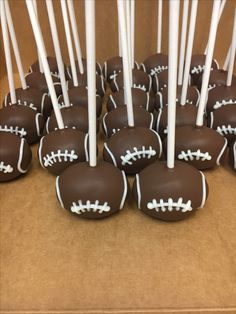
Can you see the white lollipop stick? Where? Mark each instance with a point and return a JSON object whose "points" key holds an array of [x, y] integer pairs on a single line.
{"points": [[128, 35], [125, 59], [119, 42], [219, 17], [69, 42], [42, 52], [36, 14], [7, 52], [57, 49], [189, 50], [132, 29], [75, 34], [226, 63], [209, 56], [159, 26], [172, 79], [232, 54], [91, 78], [15, 45], [183, 41]]}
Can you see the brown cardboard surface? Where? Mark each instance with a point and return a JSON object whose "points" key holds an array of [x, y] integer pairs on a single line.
{"points": [[52, 262]]}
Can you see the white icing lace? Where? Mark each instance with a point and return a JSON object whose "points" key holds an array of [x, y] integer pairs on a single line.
{"points": [[140, 86], [59, 156], [137, 154], [24, 103], [15, 130], [89, 207], [198, 69], [170, 205], [219, 104], [158, 69], [5, 168], [198, 155], [112, 76], [224, 130]]}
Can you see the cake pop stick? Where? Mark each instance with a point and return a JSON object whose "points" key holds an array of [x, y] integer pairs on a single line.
{"points": [[69, 41], [226, 63], [172, 80], [159, 26], [128, 26], [189, 49], [209, 57], [7, 53], [36, 14], [57, 49], [15, 45], [183, 41], [42, 52], [232, 54], [75, 34], [132, 30]]}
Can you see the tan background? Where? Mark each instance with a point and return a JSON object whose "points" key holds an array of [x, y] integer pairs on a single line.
{"points": [[52, 262]]}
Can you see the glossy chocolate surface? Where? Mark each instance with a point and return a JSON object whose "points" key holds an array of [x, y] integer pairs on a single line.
{"points": [[155, 64]]}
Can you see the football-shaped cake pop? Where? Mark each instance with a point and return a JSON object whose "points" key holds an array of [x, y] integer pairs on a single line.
{"points": [[62, 148], [98, 68], [52, 62], [218, 77], [33, 98], [221, 96], [82, 81], [162, 97], [22, 121], [133, 148], [92, 192], [141, 80], [75, 117], [116, 120], [170, 194], [37, 80], [15, 156], [160, 81], [223, 120], [185, 115], [79, 97], [232, 155], [198, 65], [201, 147], [140, 99], [155, 64]]}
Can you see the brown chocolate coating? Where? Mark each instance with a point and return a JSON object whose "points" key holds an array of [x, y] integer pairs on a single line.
{"points": [[132, 149], [92, 192], [52, 62], [78, 96], [162, 97], [141, 80], [197, 67], [140, 99], [232, 155], [155, 64], [15, 156], [33, 98], [223, 120], [218, 77], [22, 121], [170, 194], [62, 148], [82, 81], [37, 80], [69, 72], [75, 117], [221, 96], [185, 115], [201, 147], [117, 119], [160, 81]]}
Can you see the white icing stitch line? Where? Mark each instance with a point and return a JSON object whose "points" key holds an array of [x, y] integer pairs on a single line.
{"points": [[224, 130], [140, 86], [20, 169], [158, 69], [170, 205], [22, 103], [5, 168], [15, 130], [59, 156], [198, 69], [89, 207], [198, 155], [221, 152], [137, 154], [224, 102], [125, 190], [110, 153]]}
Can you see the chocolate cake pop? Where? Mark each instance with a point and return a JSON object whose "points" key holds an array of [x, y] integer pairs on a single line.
{"points": [[155, 64], [111, 68], [160, 81], [140, 99], [220, 97], [232, 155], [23, 121], [198, 65], [75, 117], [141, 80], [117, 119], [15, 156]]}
